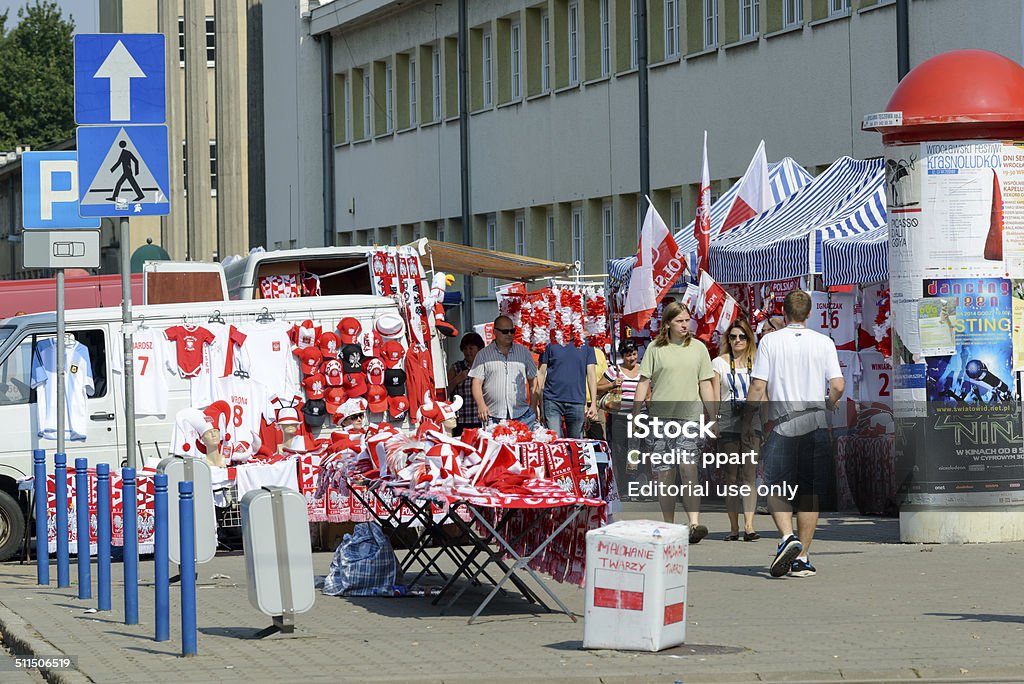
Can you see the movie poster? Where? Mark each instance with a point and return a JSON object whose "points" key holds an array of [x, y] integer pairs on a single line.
{"points": [[973, 426]]}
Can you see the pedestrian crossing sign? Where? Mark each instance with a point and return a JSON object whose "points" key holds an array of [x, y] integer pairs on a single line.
{"points": [[123, 171]]}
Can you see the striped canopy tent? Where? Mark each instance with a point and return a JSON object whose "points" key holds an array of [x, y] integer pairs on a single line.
{"points": [[861, 258], [787, 241], [785, 177]]}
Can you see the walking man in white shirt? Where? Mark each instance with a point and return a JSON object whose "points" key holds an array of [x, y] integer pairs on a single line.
{"points": [[794, 369]]}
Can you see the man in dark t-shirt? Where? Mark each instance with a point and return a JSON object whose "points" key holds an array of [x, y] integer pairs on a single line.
{"points": [[563, 370]]}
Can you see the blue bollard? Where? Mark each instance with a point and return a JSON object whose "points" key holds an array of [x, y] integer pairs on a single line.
{"points": [[103, 535], [161, 572], [187, 533], [60, 474], [82, 515], [42, 523], [129, 505]]}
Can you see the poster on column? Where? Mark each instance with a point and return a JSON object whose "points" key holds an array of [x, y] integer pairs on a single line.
{"points": [[1018, 325], [973, 423]]}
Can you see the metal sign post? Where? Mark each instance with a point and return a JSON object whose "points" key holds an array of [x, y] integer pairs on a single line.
{"points": [[120, 83], [50, 216]]}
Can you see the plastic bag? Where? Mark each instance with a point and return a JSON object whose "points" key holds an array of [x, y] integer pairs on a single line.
{"points": [[364, 564]]}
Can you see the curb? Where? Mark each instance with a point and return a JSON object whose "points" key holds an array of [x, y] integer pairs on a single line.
{"points": [[20, 636]]}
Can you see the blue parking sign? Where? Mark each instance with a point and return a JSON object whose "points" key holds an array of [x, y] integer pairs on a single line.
{"points": [[49, 191]]}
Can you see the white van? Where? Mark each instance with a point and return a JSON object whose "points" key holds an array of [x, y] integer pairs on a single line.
{"points": [[99, 330]]}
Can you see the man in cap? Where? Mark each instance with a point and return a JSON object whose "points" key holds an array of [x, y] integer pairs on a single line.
{"points": [[504, 377]]}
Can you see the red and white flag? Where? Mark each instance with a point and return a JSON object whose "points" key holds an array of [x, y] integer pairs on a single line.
{"points": [[753, 196], [702, 222], [658, 266]]}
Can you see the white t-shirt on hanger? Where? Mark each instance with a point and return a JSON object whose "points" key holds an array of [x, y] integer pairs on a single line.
{"points": [[78, 386], [150, 366]]}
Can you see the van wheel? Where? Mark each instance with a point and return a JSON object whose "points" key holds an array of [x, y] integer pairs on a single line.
{"points": [[12, 526]]}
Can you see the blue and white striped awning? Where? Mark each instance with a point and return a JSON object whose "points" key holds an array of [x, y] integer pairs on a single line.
{"points": [[785, 177], [861, 258], [786, 241]]}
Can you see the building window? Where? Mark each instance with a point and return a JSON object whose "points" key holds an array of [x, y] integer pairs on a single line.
{"points": [[492, 243], [211, 36], [367, 104], [607, 234], [550, 224], [520, 234], [792, 12], [417, 233], [414, 114], [671, 28], [488, 74], [213, 166], [677, 214], [606, 47], [394, 236], [348, 111], [749, 19], [545, 52], [577, 237], [435, 77], [389, 98], [634, 36], [517, 61], [838, 7], [710, 24], [441, 232], [574, 43]]}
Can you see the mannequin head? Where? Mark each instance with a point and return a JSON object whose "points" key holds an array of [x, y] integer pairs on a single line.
{"points": [[289, 430], [211, 440]]}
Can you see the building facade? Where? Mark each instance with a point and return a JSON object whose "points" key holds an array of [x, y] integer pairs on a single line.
{"points": [[553, 100]]}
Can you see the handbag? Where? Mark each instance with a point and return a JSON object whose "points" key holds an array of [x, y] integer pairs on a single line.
{"points": [[611, 401]]}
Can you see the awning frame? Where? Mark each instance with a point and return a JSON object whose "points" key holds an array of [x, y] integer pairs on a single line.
{"points": [[484, 263]]}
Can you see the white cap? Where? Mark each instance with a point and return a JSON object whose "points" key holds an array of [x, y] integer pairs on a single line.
{"points": [[288, 415], [390, 325]]}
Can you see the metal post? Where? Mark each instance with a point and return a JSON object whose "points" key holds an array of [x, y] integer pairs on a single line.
{"points": [[645, 130], [103, 536], [186, 535], [129, 506], [902, 37], [61, 360], [42, 522], [60, 475], [82, 523], [126, 324], [467, 220], [161, 575]]}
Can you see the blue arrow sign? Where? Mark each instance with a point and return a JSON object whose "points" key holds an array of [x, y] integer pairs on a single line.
{"points": [[49, 191], [124, 171], [120, 79]]}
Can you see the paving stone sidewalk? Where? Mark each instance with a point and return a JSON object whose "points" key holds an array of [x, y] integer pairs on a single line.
{"points": [[877, 611]]}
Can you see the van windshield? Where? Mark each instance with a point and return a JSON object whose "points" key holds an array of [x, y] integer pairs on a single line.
{"points": [[6, 331]]}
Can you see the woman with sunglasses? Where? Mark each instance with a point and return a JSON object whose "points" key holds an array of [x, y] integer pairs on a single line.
{"points": [[732, 380]]}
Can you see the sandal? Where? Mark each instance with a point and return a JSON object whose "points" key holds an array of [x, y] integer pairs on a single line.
{"points": [[751, 536], [735, 536]]}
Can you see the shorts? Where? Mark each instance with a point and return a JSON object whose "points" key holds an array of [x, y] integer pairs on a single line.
{"points": [[662, 444], [805, 460]]}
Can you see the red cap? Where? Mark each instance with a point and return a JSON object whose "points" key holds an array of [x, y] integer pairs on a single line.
{"points": [[332, 371], [349, 329], [335, 397], [354, 384], [309, 359], [392, 353], [378, 398], [398, 406], [329, 344], [374, 371], [315, 386]]}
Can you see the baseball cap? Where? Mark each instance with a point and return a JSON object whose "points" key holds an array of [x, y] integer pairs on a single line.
{"points": [[335, 397], [309, 359], [328, 344], [374, 371], [349, 329], [315, 386], [315, 412], [332, 371], [377, 397], [390, 325], [354, 384], [350, 407], [287, 416], [394, 382], [398, 405], [352, 358], [392, 352]]}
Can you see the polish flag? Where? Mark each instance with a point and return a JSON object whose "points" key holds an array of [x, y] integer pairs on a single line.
{"points": [[702, 222], [753, 195], [659, 263]]}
